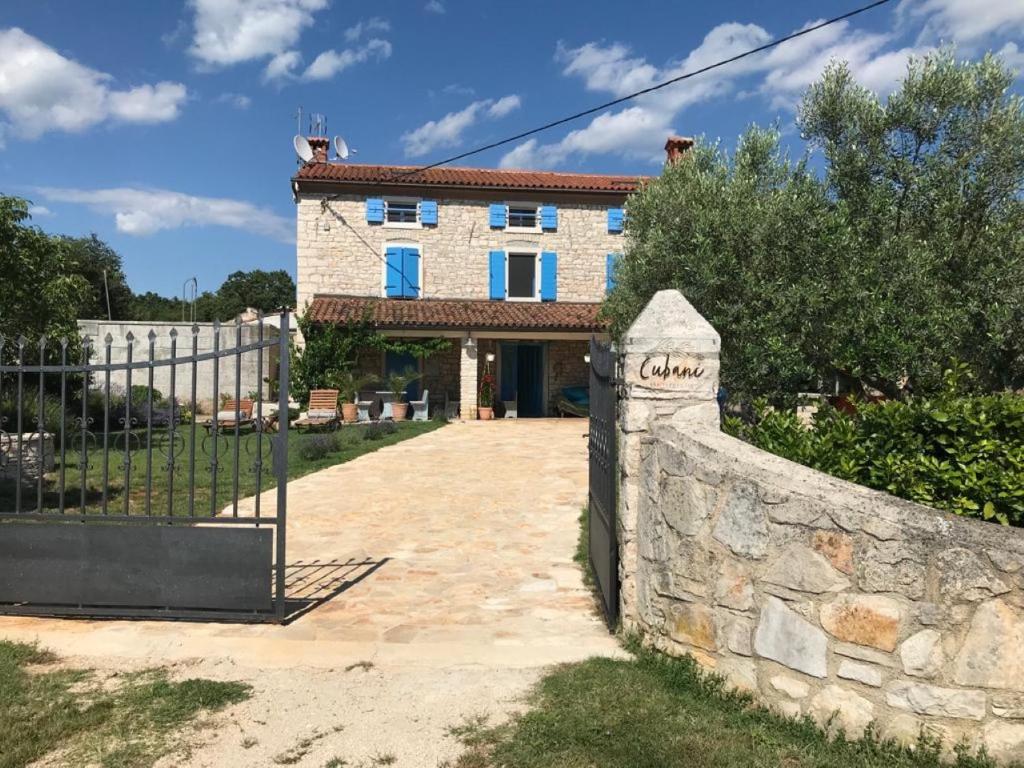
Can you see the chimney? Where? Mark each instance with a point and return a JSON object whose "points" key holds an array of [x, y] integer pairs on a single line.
{"points": [[319, 145], [677, 147]]}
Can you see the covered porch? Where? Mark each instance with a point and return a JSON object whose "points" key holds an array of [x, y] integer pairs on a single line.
{"points": [[534, 351]]}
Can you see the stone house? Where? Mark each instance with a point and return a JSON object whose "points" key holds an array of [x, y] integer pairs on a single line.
{"points": [[511, 265]]}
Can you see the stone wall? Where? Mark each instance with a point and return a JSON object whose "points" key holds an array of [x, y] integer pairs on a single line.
{"points": [[252, 378], [340, 253], [820, 596], [566, 368]]}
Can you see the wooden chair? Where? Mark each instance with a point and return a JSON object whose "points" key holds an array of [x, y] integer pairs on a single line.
{"points": [[234, 413], [323, 410]]}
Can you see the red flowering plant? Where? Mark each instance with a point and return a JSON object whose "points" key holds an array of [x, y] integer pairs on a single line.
{"points": [[486, 399]]}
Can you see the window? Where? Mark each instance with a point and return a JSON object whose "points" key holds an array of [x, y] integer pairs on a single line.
{"points": [[401, 212], [522, 276], [522, 217]]}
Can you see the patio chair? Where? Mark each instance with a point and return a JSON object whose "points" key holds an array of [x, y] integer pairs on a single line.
{"points": [[511, 407], [451, 407], [323, 410], [234, 413], [421, 408], [386, 400]]}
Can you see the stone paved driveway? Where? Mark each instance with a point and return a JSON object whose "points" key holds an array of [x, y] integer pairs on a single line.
{"points": [[449, 558]]}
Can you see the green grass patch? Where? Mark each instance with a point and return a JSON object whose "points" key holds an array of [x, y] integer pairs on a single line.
{"points": [[654, 711], [128, 721], [347, 443]]}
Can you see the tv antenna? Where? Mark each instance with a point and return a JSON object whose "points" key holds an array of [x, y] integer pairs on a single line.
{"points": [[317, 124]]}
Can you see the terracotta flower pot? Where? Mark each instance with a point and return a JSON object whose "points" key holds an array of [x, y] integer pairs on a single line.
{"points": [[349, 412], [485, 414], [398, 411]]}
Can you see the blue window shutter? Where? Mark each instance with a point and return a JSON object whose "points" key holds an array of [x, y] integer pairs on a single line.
{"points": [[428, 212], [548, 217], [410, 273], [393, 272], [548, 276], [497, 265], [374, 210], [610, 265], [498, 215], [616, 216]]}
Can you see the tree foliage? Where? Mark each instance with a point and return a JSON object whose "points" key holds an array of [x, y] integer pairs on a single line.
{"points": [[42, 293], [905, 253]]}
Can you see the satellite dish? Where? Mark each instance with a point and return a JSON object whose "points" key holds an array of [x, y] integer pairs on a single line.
{"points": [[340, 148], [302, 148]]}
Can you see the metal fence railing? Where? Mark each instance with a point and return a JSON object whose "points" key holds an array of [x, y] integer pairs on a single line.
{"points": [[86, 437]]}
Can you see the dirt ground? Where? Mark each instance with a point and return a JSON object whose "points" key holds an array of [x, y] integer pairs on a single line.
{"points": [[442, 585]]}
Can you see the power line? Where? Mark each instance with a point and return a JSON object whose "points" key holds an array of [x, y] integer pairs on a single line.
{"points": [[651, 89]]}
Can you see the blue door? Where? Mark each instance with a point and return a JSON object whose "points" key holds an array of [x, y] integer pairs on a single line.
{"points": [[396, 362], [530, 379], [522, 377]]}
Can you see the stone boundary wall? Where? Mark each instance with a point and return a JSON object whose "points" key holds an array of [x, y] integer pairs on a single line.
{"points": [[819, 596], [252, 378], [30, 456]]}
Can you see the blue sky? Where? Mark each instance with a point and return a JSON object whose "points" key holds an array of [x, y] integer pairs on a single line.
{"points": [[166, 127]]}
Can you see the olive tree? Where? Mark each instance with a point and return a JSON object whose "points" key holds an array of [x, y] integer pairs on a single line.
{"points": [[902, 254]]}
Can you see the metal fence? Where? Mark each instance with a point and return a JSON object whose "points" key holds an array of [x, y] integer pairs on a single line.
{"points": [[603, 538], [126, 503]]}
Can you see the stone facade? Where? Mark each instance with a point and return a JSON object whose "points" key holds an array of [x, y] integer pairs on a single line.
{"points": [[340, 253], [821, 597]]}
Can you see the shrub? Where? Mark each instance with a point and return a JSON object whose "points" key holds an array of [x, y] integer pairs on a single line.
{"points": [[30, 412], [316, 447], [964, 454], [379, 430]]}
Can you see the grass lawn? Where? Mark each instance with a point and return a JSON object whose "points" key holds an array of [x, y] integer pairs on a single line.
{"points": [[126, 721], [654, 711], [350, 444]]}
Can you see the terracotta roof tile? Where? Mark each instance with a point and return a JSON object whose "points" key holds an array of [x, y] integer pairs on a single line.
{"points": [[457, 314], [482, 178]]}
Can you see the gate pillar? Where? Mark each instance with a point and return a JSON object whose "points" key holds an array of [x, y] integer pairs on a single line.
{"points": [[670, 363]]}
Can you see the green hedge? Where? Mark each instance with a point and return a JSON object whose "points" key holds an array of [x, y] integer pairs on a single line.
{"points": [[962, 454]]}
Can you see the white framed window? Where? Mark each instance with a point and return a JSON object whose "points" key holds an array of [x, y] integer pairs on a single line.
{"points": [[402, 213], [523, 217], [522, 275]]}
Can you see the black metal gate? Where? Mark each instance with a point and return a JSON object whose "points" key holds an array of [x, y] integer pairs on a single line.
{"points": [[603, 543], [117, 500]]}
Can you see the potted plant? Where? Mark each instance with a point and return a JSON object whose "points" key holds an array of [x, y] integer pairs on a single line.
{"points": [[396, 384], [348, 385], [485, 403]]}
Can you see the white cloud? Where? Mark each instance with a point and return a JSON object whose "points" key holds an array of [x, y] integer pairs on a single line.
{"points": [[1013, 56], [282, 65], [37, 211], [448, 130], [236, 100], [434, 6], [965, 21], [330, 63], [227, 32], [42, 90], [368, 27], [779, 75], [141, 212], [503, 106]]}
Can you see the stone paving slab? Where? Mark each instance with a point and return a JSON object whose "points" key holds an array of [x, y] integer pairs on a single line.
{"points": [[454, 547]]}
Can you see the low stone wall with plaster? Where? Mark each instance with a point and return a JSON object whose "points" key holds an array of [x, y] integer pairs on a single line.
{"points": [[821, 597]]}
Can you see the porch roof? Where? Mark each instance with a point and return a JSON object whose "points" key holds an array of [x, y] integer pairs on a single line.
{"points": [[458, 314]]}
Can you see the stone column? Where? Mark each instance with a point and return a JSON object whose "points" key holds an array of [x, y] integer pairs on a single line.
{"points": [[670, 363], [468, 380]]}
